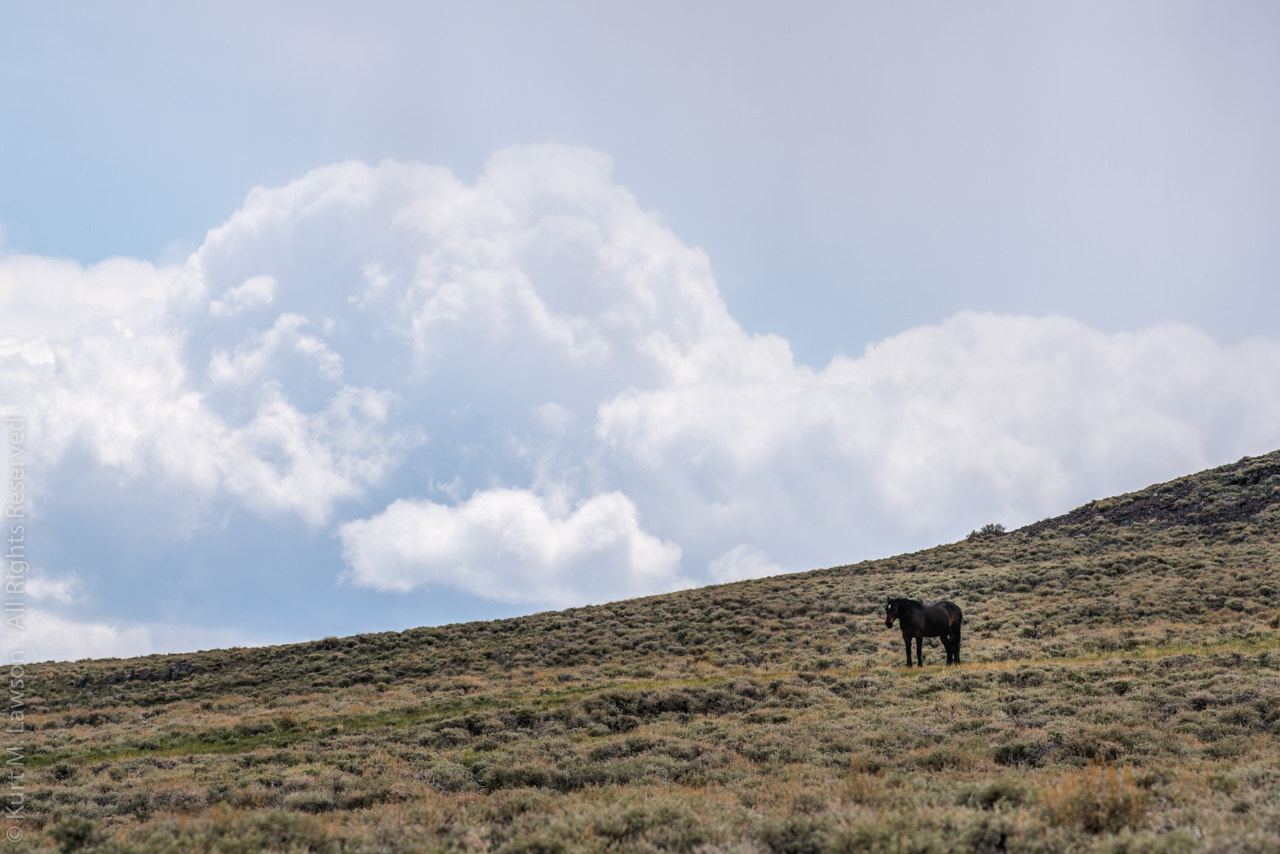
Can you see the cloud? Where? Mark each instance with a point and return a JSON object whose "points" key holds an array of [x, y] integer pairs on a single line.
{"points": [[252, 359], [33, 351], [566, 366], [514, 546], [52, 297], [1009, 416], [64, 590], [129, 399], [97, 361], [742, 562], [50, 636], [256, 291]]}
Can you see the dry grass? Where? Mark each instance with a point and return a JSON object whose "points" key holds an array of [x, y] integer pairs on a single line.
{"points": [[1120, 691], [1097, 799]]}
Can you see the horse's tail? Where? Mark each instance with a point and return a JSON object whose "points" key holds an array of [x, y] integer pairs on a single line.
{"points": [[957, 617]]}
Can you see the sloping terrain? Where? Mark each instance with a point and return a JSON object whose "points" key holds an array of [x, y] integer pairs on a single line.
{"points": [[1120, 690]]}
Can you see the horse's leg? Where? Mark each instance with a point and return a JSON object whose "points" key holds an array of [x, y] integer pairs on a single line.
{"points": [[957, 644], [919, 650], [907, 640]]}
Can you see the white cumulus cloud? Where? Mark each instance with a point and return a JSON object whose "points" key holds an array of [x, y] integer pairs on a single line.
{"points": [[514, 546], [130, 400], [557, 358], [255, 291], [1012, 417], [252, 359], [49, 636], [53, 297], [65, 590], [741, 562]]}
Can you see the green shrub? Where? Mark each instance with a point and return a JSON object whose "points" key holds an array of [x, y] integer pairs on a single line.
{"points": [[75, 834], [310, 801], [534, 844], [448, 776], [987, 531], [1000, 791], [1022, 752], [793, 835]]}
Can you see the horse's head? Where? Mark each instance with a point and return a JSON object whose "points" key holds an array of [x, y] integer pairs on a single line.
{"points": [[890, 613]]}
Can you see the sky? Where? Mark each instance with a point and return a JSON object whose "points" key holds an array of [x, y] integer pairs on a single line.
{"points": [[325, 318]]}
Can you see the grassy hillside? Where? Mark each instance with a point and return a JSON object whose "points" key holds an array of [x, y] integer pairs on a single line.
{"points": [[1120, 691]]}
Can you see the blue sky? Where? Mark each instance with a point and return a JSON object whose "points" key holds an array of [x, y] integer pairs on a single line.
{"points": [[328, 318]]}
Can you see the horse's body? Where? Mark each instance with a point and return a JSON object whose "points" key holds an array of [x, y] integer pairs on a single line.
{"points": [[918, 620]]}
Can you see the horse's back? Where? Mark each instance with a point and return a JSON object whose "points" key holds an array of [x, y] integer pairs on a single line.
{"points": [[954, 616]]}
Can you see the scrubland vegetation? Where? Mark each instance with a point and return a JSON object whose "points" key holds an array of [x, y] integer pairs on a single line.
{"points": [[1120, 691]]}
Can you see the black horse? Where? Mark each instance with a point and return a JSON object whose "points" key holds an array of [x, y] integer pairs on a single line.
{"points": [[918, 620]]}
